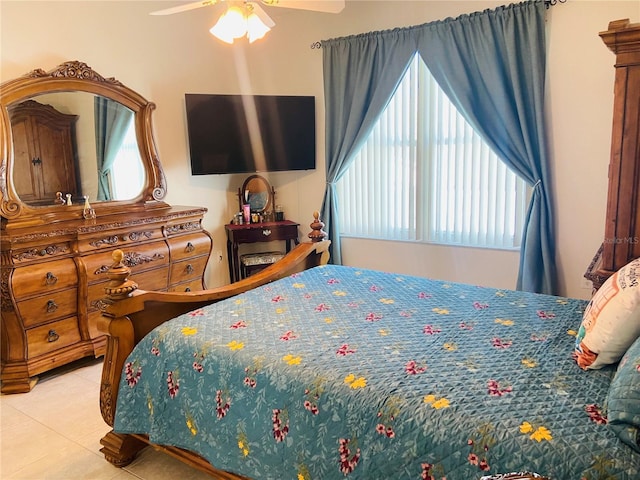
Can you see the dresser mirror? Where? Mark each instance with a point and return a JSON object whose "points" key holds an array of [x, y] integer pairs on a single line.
{"points": [[73, 131]]}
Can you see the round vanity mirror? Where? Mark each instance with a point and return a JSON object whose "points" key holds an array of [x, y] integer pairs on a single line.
{"points": [[258, 193]]}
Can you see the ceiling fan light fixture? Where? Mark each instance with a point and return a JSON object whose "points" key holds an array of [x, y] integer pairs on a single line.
{"points": [[231, 25], [246, 17], [256, 28]]}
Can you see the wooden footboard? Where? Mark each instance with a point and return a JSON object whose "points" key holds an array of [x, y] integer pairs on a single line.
{"points": [[128, 314]]}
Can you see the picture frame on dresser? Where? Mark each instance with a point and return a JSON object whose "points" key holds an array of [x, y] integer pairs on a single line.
{"points": [[55, 258]]}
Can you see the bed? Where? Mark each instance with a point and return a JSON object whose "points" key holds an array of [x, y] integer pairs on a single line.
{"points": [[315, 371]]}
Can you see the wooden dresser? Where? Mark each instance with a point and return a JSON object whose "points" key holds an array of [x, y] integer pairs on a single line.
{"points": [[55, 257], [53, 281], [622, 225]]}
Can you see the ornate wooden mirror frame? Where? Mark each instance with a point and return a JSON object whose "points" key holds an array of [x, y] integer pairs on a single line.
{"points": [[70, 77]]}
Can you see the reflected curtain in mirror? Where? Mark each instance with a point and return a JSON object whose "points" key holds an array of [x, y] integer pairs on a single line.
{"points": [[112, 122]]}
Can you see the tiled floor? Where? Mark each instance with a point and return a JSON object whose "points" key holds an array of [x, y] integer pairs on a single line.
{"points": [[53, 432]]}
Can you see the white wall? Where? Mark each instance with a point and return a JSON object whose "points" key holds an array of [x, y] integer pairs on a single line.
{"points": [[165, 57]]}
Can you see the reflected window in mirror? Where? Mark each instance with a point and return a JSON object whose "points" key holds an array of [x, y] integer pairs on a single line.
{"points": [[114, 142], [127, 176]]}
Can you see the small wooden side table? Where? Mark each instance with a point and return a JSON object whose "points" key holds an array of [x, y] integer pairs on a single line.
{"points": [[285, 230]]}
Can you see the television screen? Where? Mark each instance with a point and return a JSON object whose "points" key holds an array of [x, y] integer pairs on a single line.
{"points": [[250, 133]]}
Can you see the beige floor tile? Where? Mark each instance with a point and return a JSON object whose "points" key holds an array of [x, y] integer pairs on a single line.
{"points": [[91, 441], [90, 369], [24, 442], [54, 432], [124, 475], [152, 464], [68, 404], [72, 462], [10, 416]]}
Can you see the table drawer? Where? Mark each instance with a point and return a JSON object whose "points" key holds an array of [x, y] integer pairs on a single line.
{"points": [[50, 337], [187, 246], [137, 257], [39, 279], [46, 308], [189, 269], [149, 280], [266, 233]]}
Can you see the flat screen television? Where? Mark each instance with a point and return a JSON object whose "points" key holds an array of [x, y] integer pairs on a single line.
{"points": [[250, 133]]}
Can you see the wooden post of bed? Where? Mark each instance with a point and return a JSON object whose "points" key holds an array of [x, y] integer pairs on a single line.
{"points": [[119, 450], [129, 313]]}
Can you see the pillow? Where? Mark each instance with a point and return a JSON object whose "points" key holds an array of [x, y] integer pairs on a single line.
{"points": [[611, 321], [623, 400]]}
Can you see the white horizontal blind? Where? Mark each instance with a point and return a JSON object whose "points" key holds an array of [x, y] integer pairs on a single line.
{"points": [[425, 175]]}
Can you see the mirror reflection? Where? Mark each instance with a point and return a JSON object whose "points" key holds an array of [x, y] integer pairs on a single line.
{"points": [[75, 143]]}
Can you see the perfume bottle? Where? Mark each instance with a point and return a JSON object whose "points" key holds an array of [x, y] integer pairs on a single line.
{"points": [[88, 212]]}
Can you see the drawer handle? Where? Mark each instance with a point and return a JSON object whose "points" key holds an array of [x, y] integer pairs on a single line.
{"points": [[51, 306], [188, 289], [52, 336], [189, 248], [51, 279], [189, 268], [266, 232]]}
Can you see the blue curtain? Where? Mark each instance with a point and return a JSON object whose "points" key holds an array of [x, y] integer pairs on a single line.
{"points": [[360, 75], [112, 121], [491, 64]]}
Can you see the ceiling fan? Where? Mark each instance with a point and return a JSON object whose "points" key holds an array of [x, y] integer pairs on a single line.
{"points": [[246, 17]]}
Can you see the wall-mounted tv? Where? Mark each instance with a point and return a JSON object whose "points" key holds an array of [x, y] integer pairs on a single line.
{"points": [[250, 133]]}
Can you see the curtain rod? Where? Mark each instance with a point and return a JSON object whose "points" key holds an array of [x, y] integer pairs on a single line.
{"points": [[547, 3], [550, 3]]}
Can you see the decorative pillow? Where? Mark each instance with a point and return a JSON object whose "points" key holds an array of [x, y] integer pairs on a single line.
{"points": [[623, 401], [611, 321]]}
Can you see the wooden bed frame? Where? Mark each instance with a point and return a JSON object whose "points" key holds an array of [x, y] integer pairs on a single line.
{"points": [[128, 314]]}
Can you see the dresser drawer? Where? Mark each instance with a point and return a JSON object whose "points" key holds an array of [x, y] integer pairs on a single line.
{"points": [[39, 253], [46, 308], [137, 258], [39, 279], [191, 286], [149, 280], [50, 337], [187, 246], [189, 269], [120, 239]]}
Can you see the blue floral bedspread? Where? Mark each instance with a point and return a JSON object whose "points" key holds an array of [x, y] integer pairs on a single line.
{"points": [[339, 372]]}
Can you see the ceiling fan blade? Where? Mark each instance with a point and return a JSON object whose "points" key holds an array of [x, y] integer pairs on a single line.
{"points": [[262, 15], [186, 7], [328, 6]]}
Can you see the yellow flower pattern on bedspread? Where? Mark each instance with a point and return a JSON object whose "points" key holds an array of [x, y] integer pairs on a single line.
{"points": [[338, 373]]}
